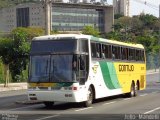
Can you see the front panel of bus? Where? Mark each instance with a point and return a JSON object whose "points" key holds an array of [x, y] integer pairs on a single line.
{"points": [[57, 69]]}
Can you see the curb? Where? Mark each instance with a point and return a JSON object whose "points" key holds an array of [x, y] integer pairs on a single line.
{"points": [[12, 88]]}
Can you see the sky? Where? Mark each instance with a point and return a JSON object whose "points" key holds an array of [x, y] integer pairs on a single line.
{"points": [[139, 6]]}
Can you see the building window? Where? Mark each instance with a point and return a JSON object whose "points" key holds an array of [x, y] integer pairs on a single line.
{"points": [[79, 17], [22, 17]]}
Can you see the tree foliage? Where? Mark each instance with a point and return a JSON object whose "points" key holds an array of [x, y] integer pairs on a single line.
{"points": [[22, 38], [14, 49], [6, 50], [89, 30], [6, 3], [144, 29]]}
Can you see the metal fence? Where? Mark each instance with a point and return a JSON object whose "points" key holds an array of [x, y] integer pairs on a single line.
{"points": [[152, 61]]}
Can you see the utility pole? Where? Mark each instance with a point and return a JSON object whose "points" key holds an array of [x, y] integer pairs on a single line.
{"points": [[159, 44], [47, 17], [159, 11]]}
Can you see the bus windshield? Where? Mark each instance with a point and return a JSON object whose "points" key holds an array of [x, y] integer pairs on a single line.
{"points": [[51, 68], [53, 46]]}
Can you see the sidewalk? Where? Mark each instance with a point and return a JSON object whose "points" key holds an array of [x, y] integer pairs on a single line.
{"points": [[152, 71], [13, 86]]}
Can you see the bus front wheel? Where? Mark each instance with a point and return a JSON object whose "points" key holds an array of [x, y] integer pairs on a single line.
{"points": [[48, 104], [89, 101]]}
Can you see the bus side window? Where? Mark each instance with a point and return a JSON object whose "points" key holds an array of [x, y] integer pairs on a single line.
{"points": [[106, 50], [138, 55], [121, 52], [98, 50], [83, 45], [113, 52], [109, 52], [93, 50], [116, 52], [134, 54], [103, 55], [130, 54], [103, 51], [142, 54], [126, 53]]}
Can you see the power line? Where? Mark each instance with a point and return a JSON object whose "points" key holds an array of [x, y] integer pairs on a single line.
{"points": [[147, 4]]}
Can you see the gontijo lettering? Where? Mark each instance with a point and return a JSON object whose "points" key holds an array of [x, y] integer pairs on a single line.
{"points": [[124, 68]]}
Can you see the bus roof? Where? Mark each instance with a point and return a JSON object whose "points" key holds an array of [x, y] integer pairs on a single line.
{"points": [[89, 37]]}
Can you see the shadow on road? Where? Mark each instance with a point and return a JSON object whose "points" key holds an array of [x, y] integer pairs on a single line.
{"points": [[66, 106]]}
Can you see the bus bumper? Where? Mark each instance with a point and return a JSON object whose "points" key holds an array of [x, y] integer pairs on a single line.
{"points": [[61, 96]]}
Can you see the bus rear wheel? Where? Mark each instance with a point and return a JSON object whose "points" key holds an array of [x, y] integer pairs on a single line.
{"points": [[133, 92], [90, 96], [48, 104]]}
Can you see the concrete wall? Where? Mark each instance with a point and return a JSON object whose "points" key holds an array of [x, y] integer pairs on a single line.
{"points": [[120, 7], [109, 19], [8, 19], [1, 20]]}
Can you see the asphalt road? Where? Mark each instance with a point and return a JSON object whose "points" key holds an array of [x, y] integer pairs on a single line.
{"points": [[145, 106]]}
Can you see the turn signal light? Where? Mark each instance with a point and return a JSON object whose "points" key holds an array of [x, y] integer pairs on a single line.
{"points": [[74, 88]]}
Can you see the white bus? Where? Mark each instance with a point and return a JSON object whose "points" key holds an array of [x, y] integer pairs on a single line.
{"points": [[82, 68]]}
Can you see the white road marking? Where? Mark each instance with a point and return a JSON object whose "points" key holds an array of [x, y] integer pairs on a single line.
{"points": [[47, 117], [109, 103], [143, 95], [30, 112], [152, 73], [126, 98], [152, 110], [155, 92], [83, 109], [21, 107]]}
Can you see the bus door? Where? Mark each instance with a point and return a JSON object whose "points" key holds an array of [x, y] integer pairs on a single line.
{"points": [[82, 71], [83, 61]]}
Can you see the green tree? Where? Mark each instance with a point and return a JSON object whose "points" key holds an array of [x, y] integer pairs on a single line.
{"points": [[148, 20], [149, 42], [89, 30], [14, 51], [117, 16], [29, 32], [22, 38], [6, 55]]}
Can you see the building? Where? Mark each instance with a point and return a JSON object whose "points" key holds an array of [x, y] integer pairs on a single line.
{"points": [[64, 16], [73, 17], [22, 15], [121, 7]]}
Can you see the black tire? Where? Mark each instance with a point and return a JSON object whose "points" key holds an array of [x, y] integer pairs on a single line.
{"points": [[48, 104], [136, 90], [133, 91], [90, 97]]}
